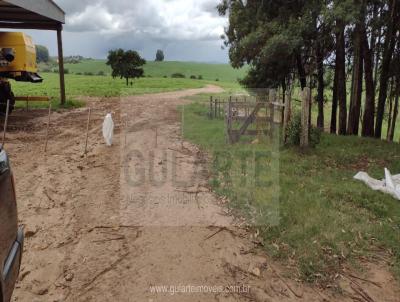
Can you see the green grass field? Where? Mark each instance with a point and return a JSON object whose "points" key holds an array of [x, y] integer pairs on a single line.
{"points": [[210, 72], [326, 218], [101, 86]]}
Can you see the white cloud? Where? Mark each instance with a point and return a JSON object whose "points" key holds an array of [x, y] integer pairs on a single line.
{"points": [[158, 19], [94, 18], [184, 29]]}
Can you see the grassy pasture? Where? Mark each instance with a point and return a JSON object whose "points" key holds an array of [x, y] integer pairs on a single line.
{"points": [[101, 86], [326, 219], [210, 72]]}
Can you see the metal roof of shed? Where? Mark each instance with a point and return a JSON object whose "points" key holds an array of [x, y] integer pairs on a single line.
{"points": [[33, 14]]}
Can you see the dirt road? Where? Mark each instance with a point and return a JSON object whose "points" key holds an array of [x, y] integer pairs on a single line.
{"points": [[124, 221]]}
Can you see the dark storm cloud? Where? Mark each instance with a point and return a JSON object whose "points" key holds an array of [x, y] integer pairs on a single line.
{"points": [[185, 29]]}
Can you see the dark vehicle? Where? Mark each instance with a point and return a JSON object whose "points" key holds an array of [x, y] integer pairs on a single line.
{"points": [[11, 236]]}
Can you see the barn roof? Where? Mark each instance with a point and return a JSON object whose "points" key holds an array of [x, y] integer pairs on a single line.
{"points": [[31, 14]]}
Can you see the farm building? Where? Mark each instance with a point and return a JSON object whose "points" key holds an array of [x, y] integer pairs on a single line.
{"points": [[40, 15]]}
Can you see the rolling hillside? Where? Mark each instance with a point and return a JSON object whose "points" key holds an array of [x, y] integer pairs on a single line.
{"points": [[211, 72]]}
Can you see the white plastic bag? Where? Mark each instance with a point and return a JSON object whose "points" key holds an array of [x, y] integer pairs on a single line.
{"points": [[389, 185], [108, 129]]}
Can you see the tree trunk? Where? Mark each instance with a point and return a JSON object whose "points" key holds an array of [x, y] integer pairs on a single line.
{"points": [[390, 113], [389, 45], [127, 81], [334, 106], [395, 115], [369, 111], [375, 53], [341, 76], [392, 125], [302, 72], [357, 84], [377, 57], [321, 88]]}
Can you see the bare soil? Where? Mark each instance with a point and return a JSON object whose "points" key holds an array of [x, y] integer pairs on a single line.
{"points": [[94, 233]]}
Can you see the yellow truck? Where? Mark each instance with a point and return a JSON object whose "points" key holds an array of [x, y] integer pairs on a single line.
{"points": [[18, 62]]}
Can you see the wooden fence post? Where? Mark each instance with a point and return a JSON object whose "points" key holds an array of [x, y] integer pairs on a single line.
{"points": [[47, 129], [287, 114], [87, 130], [211, 107], [272, 95], [305, 117], [215, 108], [229, 121]]}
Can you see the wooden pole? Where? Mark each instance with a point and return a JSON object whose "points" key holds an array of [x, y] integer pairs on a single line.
{"points": [[305, 116], [211, 107], [61, 64], [6, 123], [126, 131], [287, 113], [229, 126], [156, 130], [48, 129], [87, 129]]}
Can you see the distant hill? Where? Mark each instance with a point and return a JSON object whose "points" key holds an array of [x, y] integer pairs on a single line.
{"points": [[208, 71]]}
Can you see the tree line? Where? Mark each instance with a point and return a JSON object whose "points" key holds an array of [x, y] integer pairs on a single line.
{"points": [[349, 48]]}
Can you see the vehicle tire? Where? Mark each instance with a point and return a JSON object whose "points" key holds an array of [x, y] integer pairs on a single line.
{"points": [[5, 95]]}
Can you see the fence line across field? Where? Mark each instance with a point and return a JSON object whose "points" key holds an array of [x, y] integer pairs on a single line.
{"points": [[266, 111], [218, 105]]}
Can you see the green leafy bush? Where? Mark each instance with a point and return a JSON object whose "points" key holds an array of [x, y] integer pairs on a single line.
{"points": [[193, 77], [101, 73], [200, 77], [293, 132], [178, 75]]}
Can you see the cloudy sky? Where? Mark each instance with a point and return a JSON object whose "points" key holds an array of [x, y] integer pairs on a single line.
{"points": [[187, 30]]}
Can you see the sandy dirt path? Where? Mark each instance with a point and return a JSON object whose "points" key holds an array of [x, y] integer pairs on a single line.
{"points": [[101, 229]]}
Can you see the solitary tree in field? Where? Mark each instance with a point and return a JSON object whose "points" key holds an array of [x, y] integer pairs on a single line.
{"points": [[160, 56], [126, 64]]}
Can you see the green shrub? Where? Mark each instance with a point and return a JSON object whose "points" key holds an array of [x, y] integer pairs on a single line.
{"points": [[293, 132], [217, 80], [200, 77], [66, 71], [88, 73], [193, 77], [101, 73], [178, 75], [79, 73]]}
